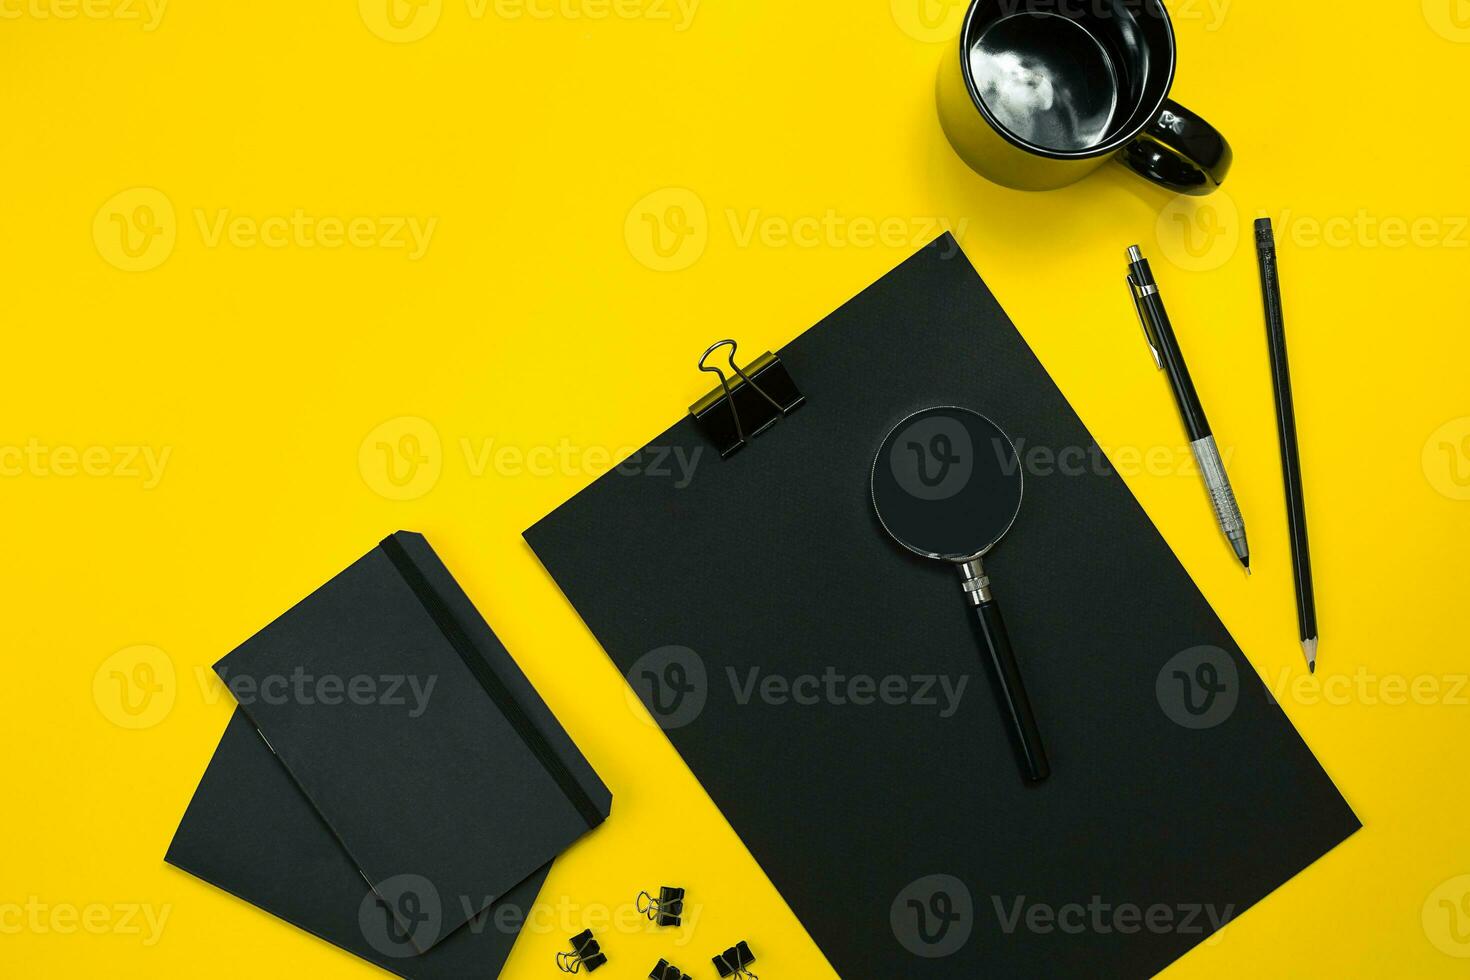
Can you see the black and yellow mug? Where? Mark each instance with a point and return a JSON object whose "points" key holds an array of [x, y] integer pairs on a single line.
{"points": [[1046, 91]]}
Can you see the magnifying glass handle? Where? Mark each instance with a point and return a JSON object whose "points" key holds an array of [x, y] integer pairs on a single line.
{"points": [[1010, 687]]}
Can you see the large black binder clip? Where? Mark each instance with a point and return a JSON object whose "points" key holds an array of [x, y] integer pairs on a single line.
{"points": [[667, 971], [586, 954], [667, 909], [761, 395], [734, 962]]}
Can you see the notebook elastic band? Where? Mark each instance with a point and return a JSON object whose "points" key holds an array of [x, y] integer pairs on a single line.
{"points": [[439, 611]]}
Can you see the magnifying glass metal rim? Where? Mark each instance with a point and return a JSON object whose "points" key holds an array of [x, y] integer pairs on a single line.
{"points": [[878, 459]]}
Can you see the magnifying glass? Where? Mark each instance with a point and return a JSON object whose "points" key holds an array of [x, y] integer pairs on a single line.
{"points": [[947, 485]]}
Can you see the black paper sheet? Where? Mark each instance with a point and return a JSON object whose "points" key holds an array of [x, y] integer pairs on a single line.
{"points": [[810, 671]]}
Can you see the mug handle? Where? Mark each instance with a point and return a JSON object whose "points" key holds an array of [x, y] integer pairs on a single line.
{"points": [[1180, 151]]}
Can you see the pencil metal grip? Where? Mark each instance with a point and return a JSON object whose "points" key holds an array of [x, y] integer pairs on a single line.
{"points": [[1222, 497]]}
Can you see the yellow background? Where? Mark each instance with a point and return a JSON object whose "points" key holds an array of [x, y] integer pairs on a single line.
{"points": [[548, 139]]}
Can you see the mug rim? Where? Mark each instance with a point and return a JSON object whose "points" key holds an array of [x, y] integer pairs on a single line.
{"points": [[1102, 149]]}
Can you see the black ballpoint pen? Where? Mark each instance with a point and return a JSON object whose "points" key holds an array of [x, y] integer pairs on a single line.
{"points": [[1291, 466], [1161, 340]]}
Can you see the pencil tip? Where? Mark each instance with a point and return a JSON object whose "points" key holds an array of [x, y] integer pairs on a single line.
{"points": [[1309, 647]]}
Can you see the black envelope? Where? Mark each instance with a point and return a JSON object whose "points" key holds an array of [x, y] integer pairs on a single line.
{"points": [[251, 831], [798, 660], [412, 731]]}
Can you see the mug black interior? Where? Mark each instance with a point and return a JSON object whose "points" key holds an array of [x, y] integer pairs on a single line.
{"points": [[1068, 78]]}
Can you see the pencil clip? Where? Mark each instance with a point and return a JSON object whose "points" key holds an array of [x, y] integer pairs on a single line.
{"points": [[761, 395], [667, 909], [585, 953], [734, 961], [1137, 293], [667, 971]]}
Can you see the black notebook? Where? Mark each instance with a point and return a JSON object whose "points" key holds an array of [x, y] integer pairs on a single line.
{"points": [[412, 731], [825, 686], [251, 831]]}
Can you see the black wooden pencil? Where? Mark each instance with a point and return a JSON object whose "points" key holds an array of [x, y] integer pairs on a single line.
{"points": [[1291, 467]]}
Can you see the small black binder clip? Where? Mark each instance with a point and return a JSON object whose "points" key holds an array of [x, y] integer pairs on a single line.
{"points": [[585, 953], [734, 961], [667, 909], [667, 971], [762, 394]]}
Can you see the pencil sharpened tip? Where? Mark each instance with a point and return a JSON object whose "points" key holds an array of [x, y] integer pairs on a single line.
{"points": [[1309, 647]]}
